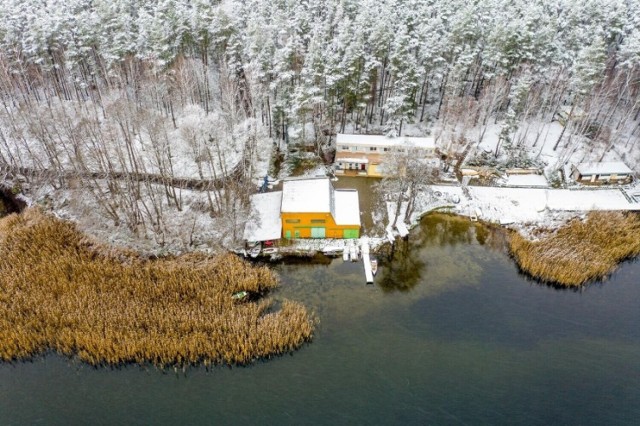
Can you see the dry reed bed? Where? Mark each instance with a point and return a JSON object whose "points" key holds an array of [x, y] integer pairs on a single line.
{"points": [[581, 250], [60, 291]]}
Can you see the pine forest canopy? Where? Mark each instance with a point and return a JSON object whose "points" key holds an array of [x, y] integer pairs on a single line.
{"points": [[320, 54], [113, 86]]}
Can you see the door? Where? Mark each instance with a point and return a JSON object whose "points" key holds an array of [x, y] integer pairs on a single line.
{"points": [[287, 234], [317, 232], [350, 233], [296, 234]]}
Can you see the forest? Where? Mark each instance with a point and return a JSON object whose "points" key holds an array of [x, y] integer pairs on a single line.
{"points": [[158, 112]]}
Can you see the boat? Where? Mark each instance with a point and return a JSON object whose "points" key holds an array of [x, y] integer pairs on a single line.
{"points": [[255, 251], [331, 251], [374, 266], [269, 250], [345, 254], [240, 295], [353, 254]]}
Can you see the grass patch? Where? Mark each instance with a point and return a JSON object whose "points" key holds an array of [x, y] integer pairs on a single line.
{"points": [[61, 291], [580, 251]]}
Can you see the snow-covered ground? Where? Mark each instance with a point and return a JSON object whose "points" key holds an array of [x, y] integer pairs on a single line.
{"points": [[531, 180], [522, 208], [538, 140], [521, 200]]}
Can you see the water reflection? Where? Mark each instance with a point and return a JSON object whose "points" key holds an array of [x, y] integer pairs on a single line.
{"points": [[447, 229], [403, 268], [414, 260]]}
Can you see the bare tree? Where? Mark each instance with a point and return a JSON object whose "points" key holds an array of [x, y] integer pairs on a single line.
{"points": [[408, 172]]}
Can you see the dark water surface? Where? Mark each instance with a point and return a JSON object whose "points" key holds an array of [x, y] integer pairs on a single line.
{"points": [[450, 334]]}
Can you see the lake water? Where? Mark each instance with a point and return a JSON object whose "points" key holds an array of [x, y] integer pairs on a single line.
{"points": [[451, 333]]}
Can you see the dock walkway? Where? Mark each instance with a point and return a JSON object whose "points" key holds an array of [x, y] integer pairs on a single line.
{"points": [[366, 260]]}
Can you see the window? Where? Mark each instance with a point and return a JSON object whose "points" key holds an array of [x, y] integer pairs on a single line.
{"points": [[345, 148], [292, 221], [318, 221], [386, 149], [373, 148]]}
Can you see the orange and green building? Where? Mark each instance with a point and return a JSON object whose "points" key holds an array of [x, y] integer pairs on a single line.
{"points": [[313, 208], [305, 208]]}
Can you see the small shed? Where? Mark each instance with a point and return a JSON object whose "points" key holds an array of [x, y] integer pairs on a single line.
{"points": [[603, 172]]}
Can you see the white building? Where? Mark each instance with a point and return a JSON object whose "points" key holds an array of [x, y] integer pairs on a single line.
{"points": [[360, 155], [604, 172]]}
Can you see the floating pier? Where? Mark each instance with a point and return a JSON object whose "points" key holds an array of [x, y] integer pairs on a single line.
{"points": [[402, 229], [366, 260], [390, 236], [345, 253]]}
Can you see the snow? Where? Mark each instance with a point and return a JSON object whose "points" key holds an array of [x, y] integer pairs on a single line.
{"points": [[527, 180], [508, 205], [519, 208], [520, 205], [379, 140], [585, 200], [347, 207], [306, 195], [314, 195], [264, 219], [402, 229], [363, 160], [607, 167]]}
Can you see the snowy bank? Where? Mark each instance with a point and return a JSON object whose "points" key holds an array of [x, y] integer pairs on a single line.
{"points": [[517, 207]]}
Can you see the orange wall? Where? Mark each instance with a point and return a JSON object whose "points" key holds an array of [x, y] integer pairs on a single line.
{"points": [[304, 225]]}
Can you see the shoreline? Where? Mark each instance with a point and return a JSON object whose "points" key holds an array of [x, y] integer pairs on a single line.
{"points": [[531, 213]]}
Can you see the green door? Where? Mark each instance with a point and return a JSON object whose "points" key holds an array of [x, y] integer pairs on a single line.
{"points": [[296, 234], [317, 233], [287, 234], [350, 233]]}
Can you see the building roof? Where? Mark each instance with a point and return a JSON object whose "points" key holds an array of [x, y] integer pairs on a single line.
{"points": [[351, 159], [264, 220], [347, 207], [604, 168], [307, 195], [316, 195], [379, 140]]}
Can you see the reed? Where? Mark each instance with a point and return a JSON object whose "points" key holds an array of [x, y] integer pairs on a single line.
{"points": [[64, 292], [582, 250]]}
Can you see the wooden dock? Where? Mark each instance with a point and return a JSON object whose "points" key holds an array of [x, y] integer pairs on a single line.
{"points": [[366, 260]]}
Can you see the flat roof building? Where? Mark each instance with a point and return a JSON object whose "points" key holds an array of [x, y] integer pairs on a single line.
{"points": [[305, 208], [361, 155], [602, 172]]}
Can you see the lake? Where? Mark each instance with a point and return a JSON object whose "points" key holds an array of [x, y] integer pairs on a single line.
{"points": [[450, 333]]}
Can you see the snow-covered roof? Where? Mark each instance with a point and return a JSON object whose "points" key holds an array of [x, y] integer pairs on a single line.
{"points": [[264, 220], [605, 167], [352, 160], [306, 195], [379, 140], [347, 207]]}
